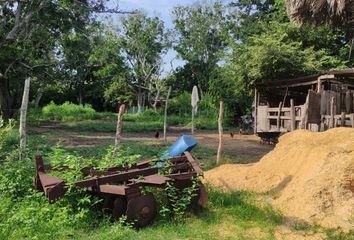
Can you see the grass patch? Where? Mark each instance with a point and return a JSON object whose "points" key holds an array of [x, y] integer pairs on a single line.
{"points": [[84, 117], [68, 112]]}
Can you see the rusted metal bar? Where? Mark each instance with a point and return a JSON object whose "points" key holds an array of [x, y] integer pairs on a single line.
{"points": [[119, 177], [194, 164]]}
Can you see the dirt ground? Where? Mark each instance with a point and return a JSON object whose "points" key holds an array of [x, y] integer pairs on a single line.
{"points": [[241, 146]]}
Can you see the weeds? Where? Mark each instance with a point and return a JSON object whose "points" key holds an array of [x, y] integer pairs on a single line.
{"points": [[68, 112]]}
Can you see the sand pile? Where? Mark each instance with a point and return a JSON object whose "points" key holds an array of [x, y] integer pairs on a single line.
{"points": [[311, 176]]}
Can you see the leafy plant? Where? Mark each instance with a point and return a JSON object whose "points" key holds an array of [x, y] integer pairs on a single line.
{"points": [[68, 112], [8, 138], [178, 200]]}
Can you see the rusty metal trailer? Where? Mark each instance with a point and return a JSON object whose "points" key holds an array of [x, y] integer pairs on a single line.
{"points": [[121, 187]]}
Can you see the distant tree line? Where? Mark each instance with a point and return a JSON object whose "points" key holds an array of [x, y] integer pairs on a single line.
{"points": [[72, 55]]}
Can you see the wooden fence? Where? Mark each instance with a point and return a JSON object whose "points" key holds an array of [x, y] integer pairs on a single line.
{"points": [[285, 119]]}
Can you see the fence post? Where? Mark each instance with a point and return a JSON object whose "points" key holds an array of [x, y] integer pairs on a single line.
{"points": [[332, 113], [221, 112], [23, 116], [292, 115], [119, 130], [279, 113]]}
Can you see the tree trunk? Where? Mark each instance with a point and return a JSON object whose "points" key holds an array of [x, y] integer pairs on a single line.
{"points": [[165, 116], [140, 99], [157, 99], [221, 112], [5, 99], [119, 130], [80, 97], [23, 117], [39, 96]]}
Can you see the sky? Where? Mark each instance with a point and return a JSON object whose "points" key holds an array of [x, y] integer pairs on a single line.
{"points": [[162, 9]]}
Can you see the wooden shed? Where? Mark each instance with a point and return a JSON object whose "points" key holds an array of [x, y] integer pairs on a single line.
{"points": [[315, 102]]}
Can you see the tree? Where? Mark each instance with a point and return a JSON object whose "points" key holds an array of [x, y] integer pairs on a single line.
{"points": [[336, 12], [265, 46], [109, 69], [277, 54], [200, 41], [143, 41], [28, 41], [26, 36], [339, 14]]}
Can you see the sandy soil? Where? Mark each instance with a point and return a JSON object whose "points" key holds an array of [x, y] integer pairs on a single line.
{"points": [[310, 175]]}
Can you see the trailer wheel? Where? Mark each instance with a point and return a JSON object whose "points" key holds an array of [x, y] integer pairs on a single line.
{"points": [[142, 210], [119, 207], [107, 206], [202, 196]]}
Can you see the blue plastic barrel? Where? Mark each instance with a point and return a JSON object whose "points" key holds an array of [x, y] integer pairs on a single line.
{"points": [[184, 143]]}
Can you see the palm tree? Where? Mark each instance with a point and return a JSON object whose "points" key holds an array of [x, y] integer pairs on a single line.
{"points": [[339, 13]]}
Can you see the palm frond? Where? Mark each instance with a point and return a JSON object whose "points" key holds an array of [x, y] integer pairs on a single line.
{"points": [[335, 12]]}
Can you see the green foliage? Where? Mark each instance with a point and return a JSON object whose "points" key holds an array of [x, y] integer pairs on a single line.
{"points": [[201, 39], [143, 41], [16, 177], [68, 112], [8, 138], [179, 200], [338, 234], [119, 92], [275, 54], [181, 104]]}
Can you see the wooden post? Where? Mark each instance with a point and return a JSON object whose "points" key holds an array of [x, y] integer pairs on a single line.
{"points": [[342, 119], [119, 130], [193, 121], [352, 119], [194, 103], [319, 84], [292, 115], [165, 116], [279, 113], [255, 110], [221, 112], [332, 125], [304, 113], [23, 116]]}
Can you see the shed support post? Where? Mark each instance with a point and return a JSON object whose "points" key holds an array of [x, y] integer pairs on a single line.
{"points": [[342, 119], [332, 125], [292, 115], [255, 110], [279, 113]]}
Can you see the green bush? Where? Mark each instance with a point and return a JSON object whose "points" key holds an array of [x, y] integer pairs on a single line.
{"points": [[180, 105], [68, 112], [8, 138]]}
